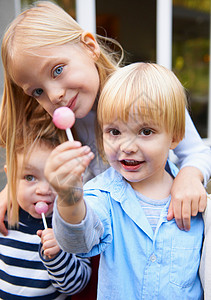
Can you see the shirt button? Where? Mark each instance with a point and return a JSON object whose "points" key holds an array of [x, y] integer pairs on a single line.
{"points": [[153, 257]]}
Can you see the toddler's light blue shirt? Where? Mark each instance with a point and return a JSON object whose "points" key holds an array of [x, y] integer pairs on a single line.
{"points": [[135, 262]]}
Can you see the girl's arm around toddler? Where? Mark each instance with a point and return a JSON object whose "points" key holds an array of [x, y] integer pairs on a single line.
{"points": [[188, 192]]}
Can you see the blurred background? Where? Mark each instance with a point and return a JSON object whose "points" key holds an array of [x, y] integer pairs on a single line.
{"points": [[175, 33]]}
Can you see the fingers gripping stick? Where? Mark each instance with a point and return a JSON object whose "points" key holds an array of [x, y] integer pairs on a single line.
{"points": [[64, 118]]}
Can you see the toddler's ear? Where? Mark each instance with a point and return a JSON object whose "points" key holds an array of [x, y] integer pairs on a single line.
{"points": [[174, 144], [91, 44], [5, 169]]}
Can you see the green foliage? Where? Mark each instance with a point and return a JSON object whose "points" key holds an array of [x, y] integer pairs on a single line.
{"points": [[191, 64], [203, 5]]}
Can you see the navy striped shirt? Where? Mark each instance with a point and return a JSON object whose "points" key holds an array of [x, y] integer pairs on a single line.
{"points": [[25, 274]]}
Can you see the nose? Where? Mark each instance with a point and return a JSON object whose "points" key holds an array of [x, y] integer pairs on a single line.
{"points": [[56, 95], [129, 146], [43, 188]]}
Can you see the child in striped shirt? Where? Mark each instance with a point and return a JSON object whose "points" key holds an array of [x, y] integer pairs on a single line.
{"points": [[28, 269]]}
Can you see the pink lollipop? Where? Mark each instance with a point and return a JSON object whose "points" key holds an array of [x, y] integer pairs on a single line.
{"points": [[64, 118], [42, 208]]}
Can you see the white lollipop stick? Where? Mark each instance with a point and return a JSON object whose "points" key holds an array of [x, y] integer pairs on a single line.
{"points": [[44, 220], [64, 118], [69, 134]]}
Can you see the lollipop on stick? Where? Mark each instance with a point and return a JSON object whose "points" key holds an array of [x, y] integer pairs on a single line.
{"points": [[64, 118], [42, 208]]}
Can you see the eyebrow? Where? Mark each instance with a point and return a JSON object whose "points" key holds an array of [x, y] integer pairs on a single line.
{"points": [[142, 124], [145, 124], [47, 63], [29, 167]]}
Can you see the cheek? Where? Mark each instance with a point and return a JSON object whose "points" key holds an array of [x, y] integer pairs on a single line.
{"points": [[23, 196], [110, 149], [22, 201], [50, 210], [93, 84], [158, 154]]}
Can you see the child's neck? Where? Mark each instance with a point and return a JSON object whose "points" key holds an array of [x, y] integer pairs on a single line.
{"points": [[154, 188]]}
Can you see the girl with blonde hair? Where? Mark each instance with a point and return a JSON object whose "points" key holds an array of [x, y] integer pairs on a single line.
{"points": [[49, 60]]}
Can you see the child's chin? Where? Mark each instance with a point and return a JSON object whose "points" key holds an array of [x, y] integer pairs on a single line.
{"points": [[36, 216]]}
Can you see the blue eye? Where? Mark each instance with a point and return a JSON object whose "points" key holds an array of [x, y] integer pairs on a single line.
{"points": [[36, 93], [29, 178], [57, 71]]}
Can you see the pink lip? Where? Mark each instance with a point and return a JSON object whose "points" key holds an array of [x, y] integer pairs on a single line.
{"points": [[72, 102]]}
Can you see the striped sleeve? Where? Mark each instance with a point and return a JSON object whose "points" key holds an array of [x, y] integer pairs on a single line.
{"points": [[69, 273], [22, 274]]}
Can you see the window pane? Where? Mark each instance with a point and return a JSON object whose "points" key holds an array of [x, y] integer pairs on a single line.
{"points": [[191, 23], [132, 23]]}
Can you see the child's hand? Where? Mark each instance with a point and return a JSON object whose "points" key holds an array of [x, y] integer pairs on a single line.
{"points": [[188, 197], [49, 243], [64, 169]]}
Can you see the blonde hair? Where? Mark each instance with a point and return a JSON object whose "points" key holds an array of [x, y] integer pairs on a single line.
{"points": [[145, 90], [43, 24]]}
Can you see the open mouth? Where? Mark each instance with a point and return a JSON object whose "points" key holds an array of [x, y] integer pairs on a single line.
{"points": [[49, 203], [130, 164]]}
